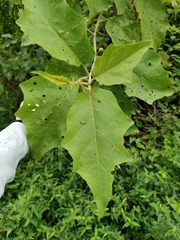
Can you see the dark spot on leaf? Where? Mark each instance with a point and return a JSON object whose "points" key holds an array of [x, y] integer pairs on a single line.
{"points": [[31, 90], [44, 119], [34, 6], [34, 83], [51, 113], [63, 49], [143, 75], [150, 94], [43, 95], [150, 64], [168, 87], [60, 88], [158, 88], [131, 90], [139, 91], [83, 123], [99, 101], [142, 86]]}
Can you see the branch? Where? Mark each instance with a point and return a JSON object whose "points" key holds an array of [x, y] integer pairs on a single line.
{"points": [[95, 48]]}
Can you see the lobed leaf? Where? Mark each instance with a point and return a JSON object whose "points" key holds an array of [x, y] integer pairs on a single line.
{"points": [[58, 29], [94, 138], [44, 113], [154, 22], [117, 62], [150, 80]]}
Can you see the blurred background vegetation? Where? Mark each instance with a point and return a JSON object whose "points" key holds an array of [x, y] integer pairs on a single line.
{"points": [[48, 201]]}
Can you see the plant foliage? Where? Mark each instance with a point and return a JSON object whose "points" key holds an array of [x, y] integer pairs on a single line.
{"points": [[94, 122]]}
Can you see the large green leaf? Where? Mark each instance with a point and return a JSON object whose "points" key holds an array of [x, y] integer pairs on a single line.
{"points": [[150, 80], [96, 7], [154, 23], [44, 113], [58, 29], [117, 62], [94, 138]]}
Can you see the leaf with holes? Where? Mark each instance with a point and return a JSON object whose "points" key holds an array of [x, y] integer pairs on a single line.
{"points": [[94, 138], [150, 80], [44, 113], [154, 23], [117, 62], [123, 30], [58, 29]]}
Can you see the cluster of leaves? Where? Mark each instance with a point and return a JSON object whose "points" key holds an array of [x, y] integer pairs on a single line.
{"points": [[79, 108], [53, 203]]}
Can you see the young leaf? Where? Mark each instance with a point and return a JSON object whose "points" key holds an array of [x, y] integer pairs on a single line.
{"points": [[58, 29], [96, 7], [117, 62], [150, 80], [44, 113], [94, 138], [59, 80], [154, 23]]}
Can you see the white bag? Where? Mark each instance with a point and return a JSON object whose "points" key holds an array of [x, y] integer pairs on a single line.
{"points": [[13, 147]]}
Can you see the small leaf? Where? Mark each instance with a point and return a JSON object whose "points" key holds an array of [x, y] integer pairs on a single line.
{"points": [[58, 29], [96, 7], [150, 80], [94, 138], [121, 6], [154, 23], [117, 62], [44, 113], [59, 80]]}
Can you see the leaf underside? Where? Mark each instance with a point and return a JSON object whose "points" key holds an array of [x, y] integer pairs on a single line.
{"points": [[94, 138]]}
